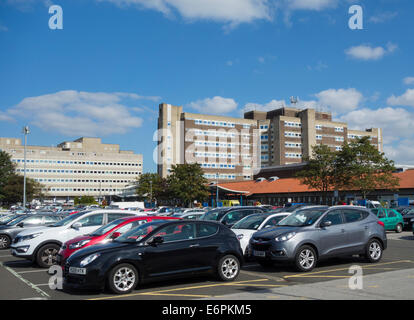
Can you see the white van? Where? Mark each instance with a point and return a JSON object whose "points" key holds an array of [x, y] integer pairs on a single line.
{"points": [[127, 205], [42, 244]]}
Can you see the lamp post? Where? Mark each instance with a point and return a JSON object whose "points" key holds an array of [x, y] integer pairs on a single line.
{"points": [[151, 193], [25, 131], [217, 192]]}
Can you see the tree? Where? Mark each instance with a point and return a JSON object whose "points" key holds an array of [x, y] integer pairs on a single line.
{"points": [[6, 171], [187, 183], [362, 167], [151, 186], [320, 172], [13, 190], [87, 200]]}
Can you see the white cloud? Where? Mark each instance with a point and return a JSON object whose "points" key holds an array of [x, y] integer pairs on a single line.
{"points": [[366, 52], [383, 17], [408, 81], [73, 112], [316, 5], [272, 105], [340, 101], [216, 105], [230, 11], [407, 99]]}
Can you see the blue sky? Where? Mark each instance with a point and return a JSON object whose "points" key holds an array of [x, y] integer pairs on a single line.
{"points": [[114, 61]]}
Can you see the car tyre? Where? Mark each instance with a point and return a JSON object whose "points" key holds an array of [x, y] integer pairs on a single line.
{"points": [[123, 278], [228, 268], [305, 259], [399, 228], [4, 241], [46, 255], [373, 252]]}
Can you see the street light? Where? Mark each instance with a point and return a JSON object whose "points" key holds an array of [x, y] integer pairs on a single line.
{"points": [[25, 131], [217, 192]]}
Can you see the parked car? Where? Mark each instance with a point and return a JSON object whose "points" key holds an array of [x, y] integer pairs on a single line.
{"points": [[104, 234], [408, 216], [247, 226], [229, 216], [393, 220], [307, 236], [172, 249], [189, 215], [42, 244], [25, 222]]}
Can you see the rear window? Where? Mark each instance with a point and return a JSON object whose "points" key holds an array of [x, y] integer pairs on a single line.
{"points": [[354, 215], [206, 230]]}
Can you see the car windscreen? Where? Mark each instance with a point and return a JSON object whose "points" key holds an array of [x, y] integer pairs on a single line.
{"points": [[251, 222], [68, 219], [302, 218], [104, 229], [15, 221], [214, 215], [138, 233], [7, 219]]}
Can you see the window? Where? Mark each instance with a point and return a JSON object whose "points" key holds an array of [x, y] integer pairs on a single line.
{"points": [[92, 220], [381, 213], [273, 221], [391, 214], [335, 217], [353, 216], [177, 232], [234, 216], [115, 216], [51, 219], [206, 230], [130, 226], [33, 220]]}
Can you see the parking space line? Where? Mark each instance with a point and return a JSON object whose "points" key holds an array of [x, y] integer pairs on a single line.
{"points": [[177, 295], [31, 271], [38, 290], [7, 256], [305, 275], [177, 289]]}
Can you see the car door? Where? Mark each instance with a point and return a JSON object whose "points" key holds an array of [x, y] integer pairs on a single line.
{"points": [[175, 254], [332, 239], [207, 246], [355, 228]]}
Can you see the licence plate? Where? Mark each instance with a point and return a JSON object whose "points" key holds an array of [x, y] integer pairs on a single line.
{"points": [[75, 270], [259, 253]]}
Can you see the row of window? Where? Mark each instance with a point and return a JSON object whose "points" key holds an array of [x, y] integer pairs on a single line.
{"points": [[293, 155], [221, 176], [215, 155], [293, 124], [219, 133], [293, 145], [81, 189], [217, 165], [77, 171], [217, 123], [78, 162], [79, 180], [293, 134]]}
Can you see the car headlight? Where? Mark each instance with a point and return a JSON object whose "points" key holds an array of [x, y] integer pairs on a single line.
{"points": [[286, 236], [30, 236], [89, 259], [240, 236], [79, 244]]}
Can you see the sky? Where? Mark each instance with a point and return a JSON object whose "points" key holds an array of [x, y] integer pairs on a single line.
{"points": [[114, 61]]}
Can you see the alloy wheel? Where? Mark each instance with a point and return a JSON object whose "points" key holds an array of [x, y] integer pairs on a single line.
{"points": [[229, 268], [306, 259], [375, 250], [4, 242], [124, 279], [49, 256]]}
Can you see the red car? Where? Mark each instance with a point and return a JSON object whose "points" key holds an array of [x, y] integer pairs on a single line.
{"points": [[104, 234]]}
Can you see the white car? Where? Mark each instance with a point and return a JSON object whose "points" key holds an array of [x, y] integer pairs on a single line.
{"points": [[245, 228], [42, 244]]}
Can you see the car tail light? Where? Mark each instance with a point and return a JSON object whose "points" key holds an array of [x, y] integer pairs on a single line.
{"points": [[381, 223]]}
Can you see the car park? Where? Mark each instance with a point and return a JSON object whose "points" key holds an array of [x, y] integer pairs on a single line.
{"points": [[229, 216], [247, 226], [42, 244], [307, 236], [393, 220], [172, 249], [22, 223], [104, 234]]}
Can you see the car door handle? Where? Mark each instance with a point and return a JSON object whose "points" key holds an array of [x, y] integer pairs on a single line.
{"points": [[343, 230], [194, 245]]}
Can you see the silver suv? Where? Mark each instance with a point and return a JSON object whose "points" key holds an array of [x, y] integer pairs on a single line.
{"points": [[308, 235]]}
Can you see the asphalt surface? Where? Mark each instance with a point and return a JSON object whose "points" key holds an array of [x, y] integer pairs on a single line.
{"points": [[391, 278]]}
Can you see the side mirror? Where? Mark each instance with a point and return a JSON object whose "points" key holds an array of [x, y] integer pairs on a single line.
{"points": [[156, 240], [115, 235], [77, 225], [326, 223], [21, 224]]}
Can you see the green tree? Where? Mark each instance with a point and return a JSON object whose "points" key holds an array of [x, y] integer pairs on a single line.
{"points": [[87, 200], [187, 183], [320, 171], [362, 167], [6, 171], [151, 186], [13, 190]]}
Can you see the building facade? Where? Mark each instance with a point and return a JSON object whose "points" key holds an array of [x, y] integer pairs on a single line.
{"points": [[225, 147], [235, 148], [288, 134], [83, 167]]}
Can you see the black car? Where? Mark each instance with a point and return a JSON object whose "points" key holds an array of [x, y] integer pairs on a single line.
{"points": [[408, 216], [229, 216], [156, 250]]}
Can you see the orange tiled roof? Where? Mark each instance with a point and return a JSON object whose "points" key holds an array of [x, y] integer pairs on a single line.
{"points": [[293, 185]]}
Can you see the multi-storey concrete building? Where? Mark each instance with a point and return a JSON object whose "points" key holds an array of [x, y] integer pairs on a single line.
{"points": [[288, 134], [274, 138], [85, 166], [225, 147]]}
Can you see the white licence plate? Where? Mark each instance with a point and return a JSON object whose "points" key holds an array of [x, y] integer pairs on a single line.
{"points": [[259, 253], [74, 270]]}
